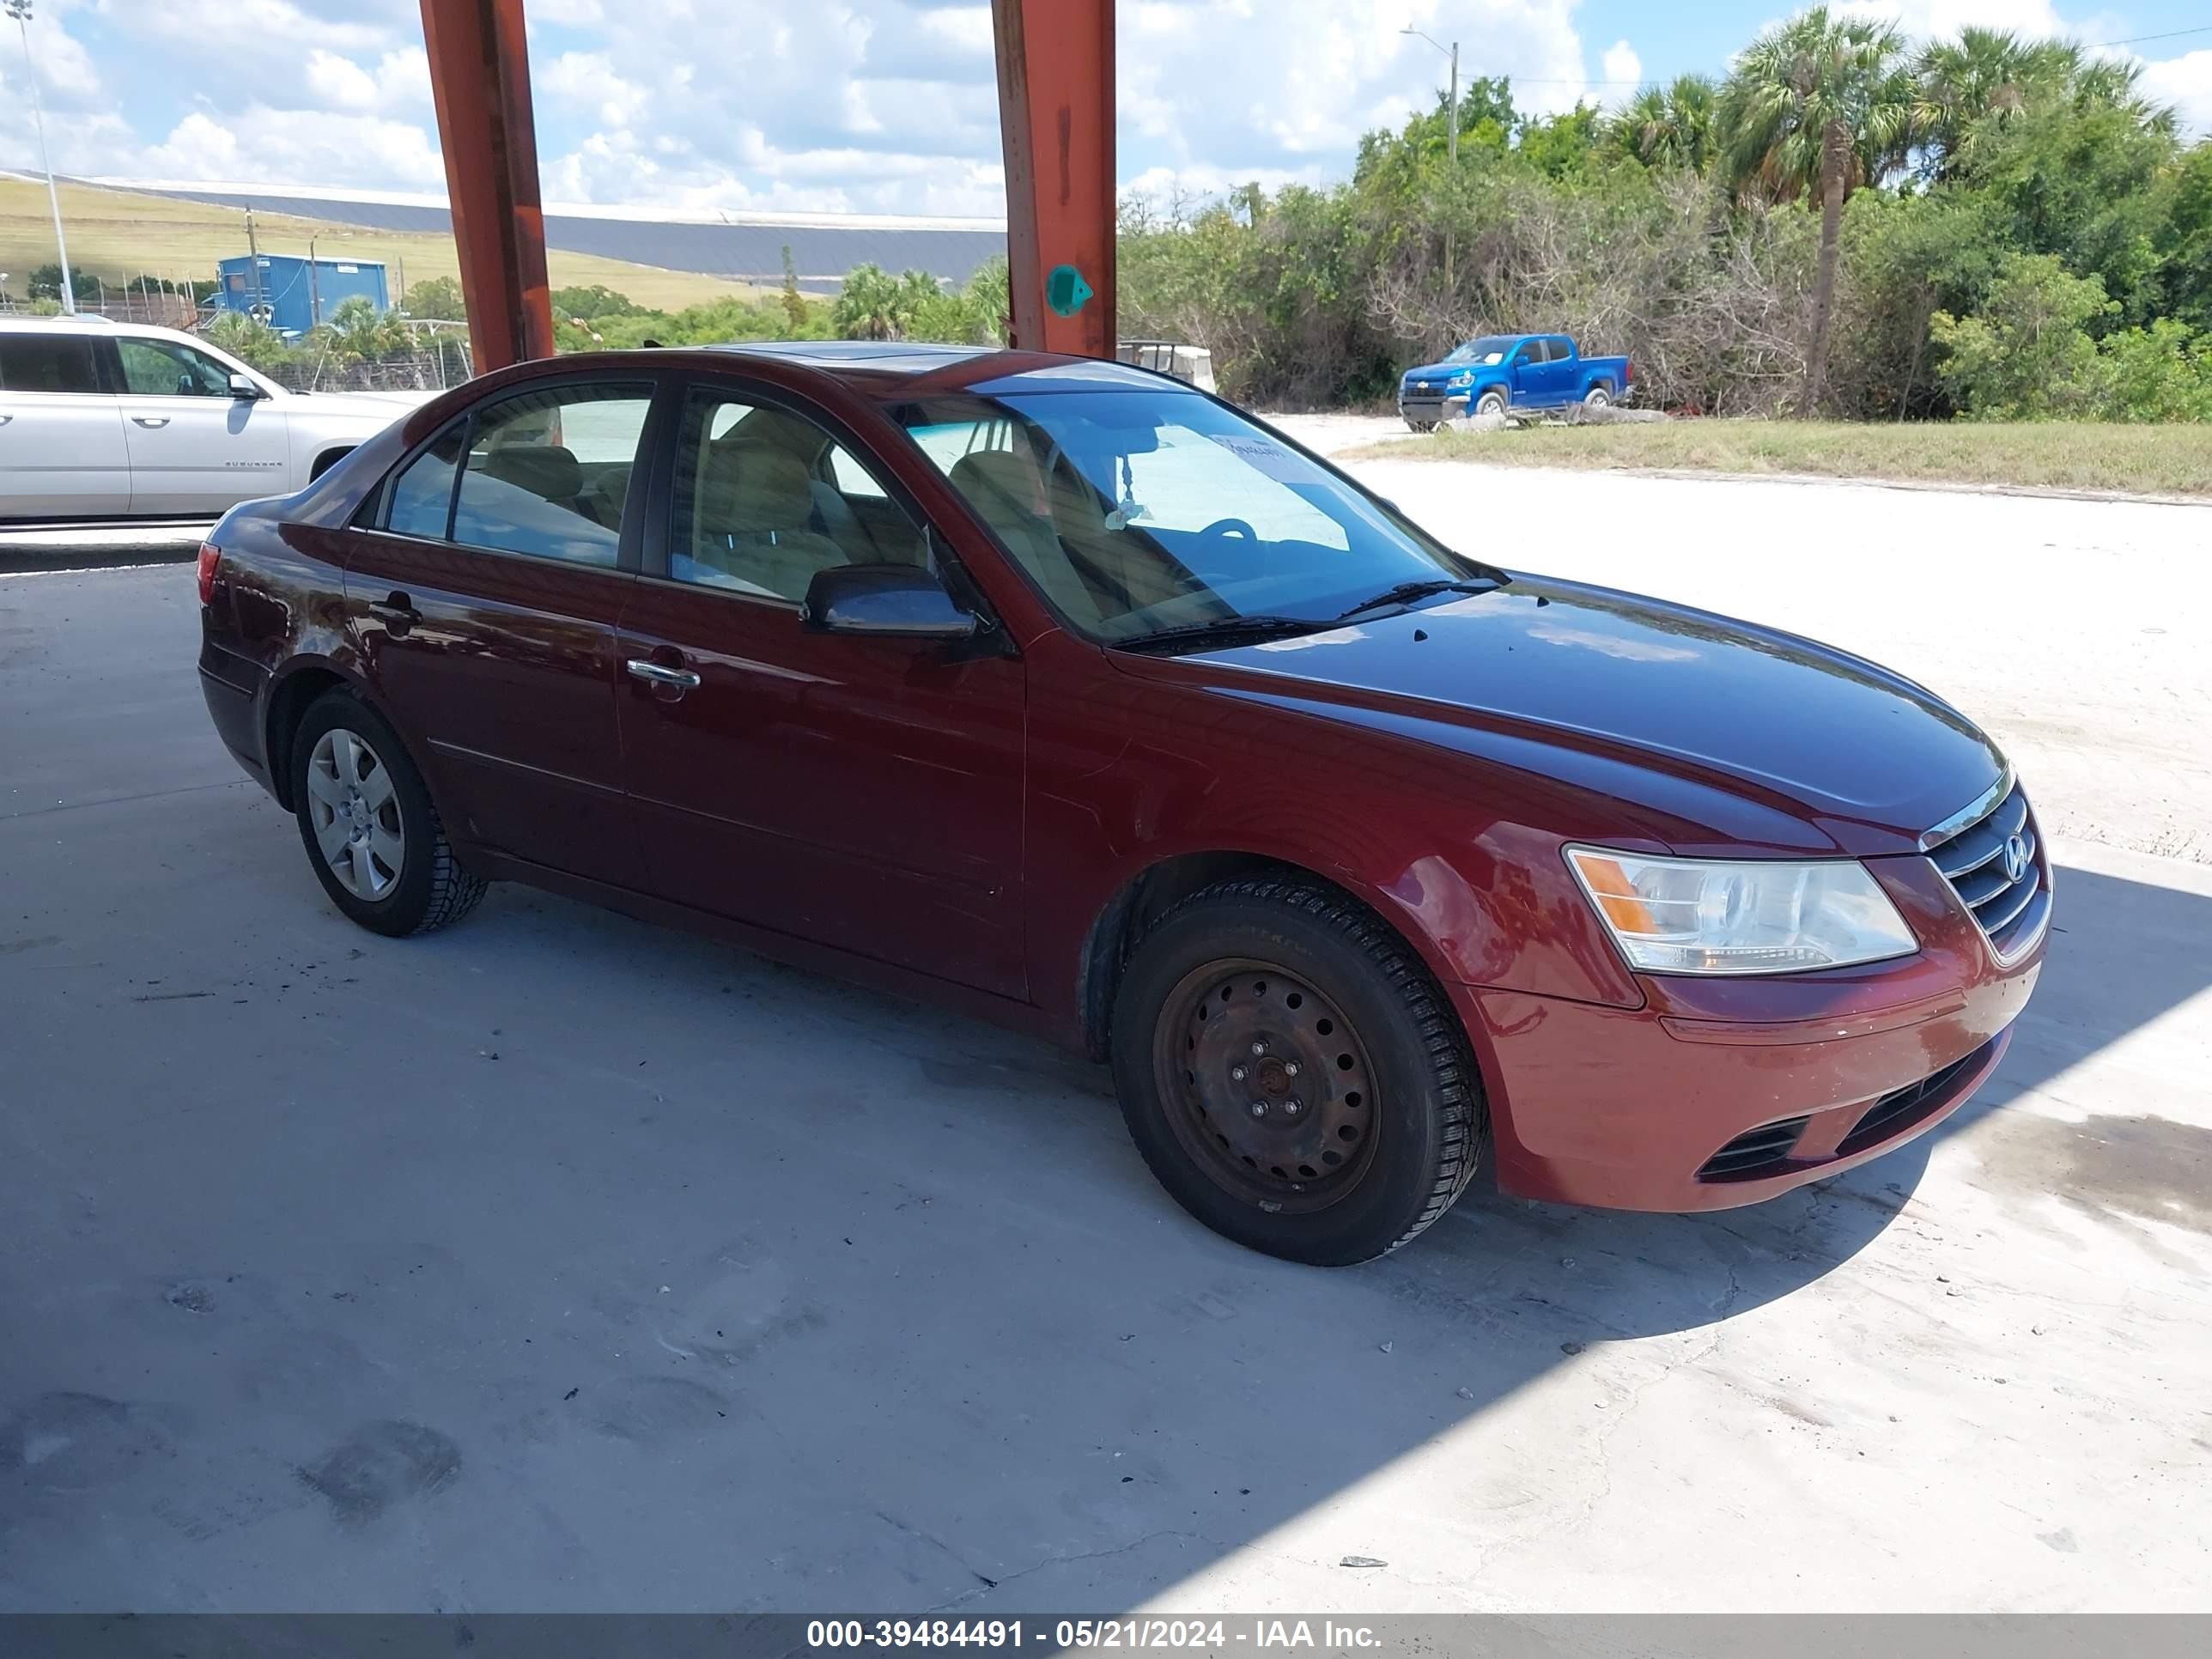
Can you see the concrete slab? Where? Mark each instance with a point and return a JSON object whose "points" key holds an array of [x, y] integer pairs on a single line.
{"points": [[559, 1262]]}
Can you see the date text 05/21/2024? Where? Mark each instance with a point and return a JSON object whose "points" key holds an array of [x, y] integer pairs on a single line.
{"points": [[1049, 1634]]}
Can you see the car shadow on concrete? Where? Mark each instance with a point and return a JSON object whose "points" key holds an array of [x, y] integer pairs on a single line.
{"points": [[559, 1262]]}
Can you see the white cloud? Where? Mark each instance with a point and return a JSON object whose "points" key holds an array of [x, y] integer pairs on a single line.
{"points": [[2185, 83], [1623, 70]]}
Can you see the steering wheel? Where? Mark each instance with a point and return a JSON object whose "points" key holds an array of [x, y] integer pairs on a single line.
{"points": [[1221, 527]]}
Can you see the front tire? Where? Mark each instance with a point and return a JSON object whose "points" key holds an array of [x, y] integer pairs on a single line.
{"points": [[371, 830], [1293, 1074], [1491, 402]]}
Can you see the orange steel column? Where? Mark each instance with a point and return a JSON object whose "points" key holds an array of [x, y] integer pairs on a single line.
{"points": [[480, 80], [1056, 111]]}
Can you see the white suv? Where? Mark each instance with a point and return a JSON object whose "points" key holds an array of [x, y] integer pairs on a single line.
{"points": [[106, 420]]}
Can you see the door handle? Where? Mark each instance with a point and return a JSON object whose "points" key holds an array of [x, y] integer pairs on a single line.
{"points": [[678, 680], [396, 613], [155, 421]]}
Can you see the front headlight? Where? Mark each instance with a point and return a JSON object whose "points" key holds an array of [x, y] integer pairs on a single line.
{"points": [[1708, 916], [1463, 380]]}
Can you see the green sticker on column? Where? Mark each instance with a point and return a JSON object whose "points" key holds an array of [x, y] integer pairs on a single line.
{"points": [[1066, 291]]}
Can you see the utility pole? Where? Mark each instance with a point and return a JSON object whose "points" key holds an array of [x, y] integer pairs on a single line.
{"points": [[314, 288], [20, 11], [1452, 141], [254, 258]]}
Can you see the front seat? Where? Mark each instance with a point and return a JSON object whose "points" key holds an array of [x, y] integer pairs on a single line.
{"points": [[753, 518], [1004, 487]]}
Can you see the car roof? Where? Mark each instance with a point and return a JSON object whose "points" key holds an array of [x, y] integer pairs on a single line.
{"points": [[904, 369], [96, 323]]}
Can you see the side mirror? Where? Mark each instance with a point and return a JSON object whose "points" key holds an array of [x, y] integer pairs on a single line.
{"points": [[245, 388], [889, 601]]}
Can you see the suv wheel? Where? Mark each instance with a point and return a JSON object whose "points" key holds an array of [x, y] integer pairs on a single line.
{"points": [[1293, 1074], [371, 831]]}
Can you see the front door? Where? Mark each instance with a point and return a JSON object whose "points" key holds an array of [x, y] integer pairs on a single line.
{"points": [[486, 602], [62, 453], [195, 449], [861, 794]]}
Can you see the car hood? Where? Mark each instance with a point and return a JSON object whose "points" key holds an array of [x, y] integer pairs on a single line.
{"points": [[381, 407], [1713, 735], [1442, 371]]}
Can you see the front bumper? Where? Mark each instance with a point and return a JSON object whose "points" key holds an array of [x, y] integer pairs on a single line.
{"points": [[1718, 1093], [1431, 405]]}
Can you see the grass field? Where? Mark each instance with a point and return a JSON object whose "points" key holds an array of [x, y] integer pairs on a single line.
{"points": [[2146, 461], [117, 235]]}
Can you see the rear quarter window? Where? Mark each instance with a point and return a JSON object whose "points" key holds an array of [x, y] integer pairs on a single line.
{"points": [[49, 362]]}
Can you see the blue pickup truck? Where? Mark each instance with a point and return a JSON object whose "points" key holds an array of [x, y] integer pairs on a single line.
{"points": [[1503, 372]]}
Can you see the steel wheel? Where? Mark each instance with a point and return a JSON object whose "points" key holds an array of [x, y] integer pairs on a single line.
{"points": [[354, 812], [1267, 1087]]}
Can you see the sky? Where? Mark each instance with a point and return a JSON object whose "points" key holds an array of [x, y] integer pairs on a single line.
{"points": [[880, 105]]}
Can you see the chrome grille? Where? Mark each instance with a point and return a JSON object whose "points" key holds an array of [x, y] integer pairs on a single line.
{"points": [[2011, 908]]}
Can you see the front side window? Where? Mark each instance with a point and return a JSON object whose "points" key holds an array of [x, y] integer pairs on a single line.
{"points": [[48, 362], [162, 368], [765, 498], [548, 473], [1138, 511]]}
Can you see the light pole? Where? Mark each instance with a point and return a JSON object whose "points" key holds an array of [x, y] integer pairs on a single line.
{"points": [[20, 11], [1453, 53]]}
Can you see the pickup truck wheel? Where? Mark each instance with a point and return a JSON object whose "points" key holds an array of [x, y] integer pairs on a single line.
{"points": [[1292, 1074], [1599, 397], [1491, 402], [371, 830]]}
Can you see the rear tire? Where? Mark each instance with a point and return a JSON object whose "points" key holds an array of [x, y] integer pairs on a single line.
{"points": [[372, 832], [1599, 397], [1373, 1121]]}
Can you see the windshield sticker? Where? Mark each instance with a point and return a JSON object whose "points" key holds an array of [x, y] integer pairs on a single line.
{"points": [[1268, 458]]}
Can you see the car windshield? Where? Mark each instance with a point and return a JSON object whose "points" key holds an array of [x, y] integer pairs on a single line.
{"points": [[1138, 511], [1491, 349]]}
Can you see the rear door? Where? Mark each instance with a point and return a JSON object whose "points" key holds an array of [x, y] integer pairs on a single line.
{"points": [[1565, 370], [61, 449], [486, 597], [864, 793], [194, 449]]}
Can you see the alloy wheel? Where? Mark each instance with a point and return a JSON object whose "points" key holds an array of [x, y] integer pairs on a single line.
{"points": [[355, 812]]}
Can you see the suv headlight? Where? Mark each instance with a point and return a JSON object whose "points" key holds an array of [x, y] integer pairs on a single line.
{"points": [[1715, 916]]}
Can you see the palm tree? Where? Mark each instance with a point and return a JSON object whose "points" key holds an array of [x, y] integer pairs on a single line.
{"points": [[1670, 126], [1818, 105], [870, 305], [1985, 72]]}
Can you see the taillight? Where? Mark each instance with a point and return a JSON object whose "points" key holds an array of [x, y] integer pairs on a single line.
{"points": [[210, 556]]}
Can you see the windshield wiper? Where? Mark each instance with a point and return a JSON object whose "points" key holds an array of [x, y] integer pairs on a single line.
{"points": [[1224, 628], [1406, 592]]}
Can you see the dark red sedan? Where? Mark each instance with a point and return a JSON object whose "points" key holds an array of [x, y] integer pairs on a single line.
{"points": [[1071, 695]]}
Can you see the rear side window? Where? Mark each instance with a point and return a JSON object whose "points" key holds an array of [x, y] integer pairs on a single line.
{"points": [[423, 496], [1562, 350], [548, 473], [48, 362]]}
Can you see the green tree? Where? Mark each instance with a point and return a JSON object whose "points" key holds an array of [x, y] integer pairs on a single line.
{"points": [[2029, 355], [1986, 75], [794, 303], [2162, 373], [1669, 126], [592, 302], [44, 282], [1817, 107], [438, 298], [254, 342], [357, 332], [990, 299]]}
